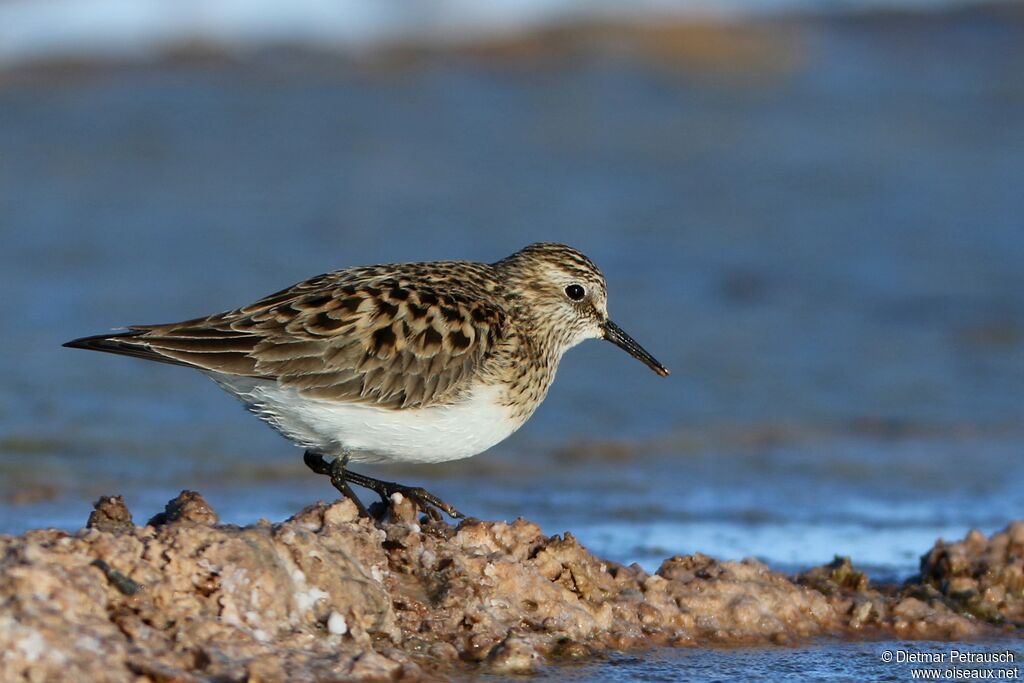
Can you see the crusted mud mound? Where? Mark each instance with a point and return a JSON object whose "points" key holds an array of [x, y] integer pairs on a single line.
{"points": [[981, 576], [327, 595]]}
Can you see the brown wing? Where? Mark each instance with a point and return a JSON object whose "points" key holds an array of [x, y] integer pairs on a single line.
{"points": [[391, 339]]}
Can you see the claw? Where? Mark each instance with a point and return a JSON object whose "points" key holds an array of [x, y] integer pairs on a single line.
{"points": [[423, 499], [431, 503]]}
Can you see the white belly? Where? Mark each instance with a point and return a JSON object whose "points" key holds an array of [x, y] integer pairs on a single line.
{"points": [[371, 434]]}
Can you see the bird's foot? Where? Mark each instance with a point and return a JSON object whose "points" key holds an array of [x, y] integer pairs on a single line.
{"points": [[342, 477], [421, 498], [424, 500]]}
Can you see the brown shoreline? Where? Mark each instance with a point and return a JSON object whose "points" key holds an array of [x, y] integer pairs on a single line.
{"points": [[328, 596], [749, 48]]}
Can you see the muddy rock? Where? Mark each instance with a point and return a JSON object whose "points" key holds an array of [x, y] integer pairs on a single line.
{"points": [[981, 576], [327, 595], [110, 514], [189, 506], [731, 602], [913, 611]]}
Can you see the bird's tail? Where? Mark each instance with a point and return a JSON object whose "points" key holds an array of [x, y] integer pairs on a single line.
{"points": [[128, 343]]}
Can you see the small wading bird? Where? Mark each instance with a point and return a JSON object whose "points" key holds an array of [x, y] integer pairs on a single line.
{"points": [[406, 362]]}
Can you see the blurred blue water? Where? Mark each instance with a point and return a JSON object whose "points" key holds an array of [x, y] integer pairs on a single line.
{"points": [[827, 254]]}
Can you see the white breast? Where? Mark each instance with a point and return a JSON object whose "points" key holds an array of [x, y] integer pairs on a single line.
{"points": [[371, 434]]}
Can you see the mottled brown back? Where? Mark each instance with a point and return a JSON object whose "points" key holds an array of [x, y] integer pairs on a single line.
{"points": [[396, 336]]}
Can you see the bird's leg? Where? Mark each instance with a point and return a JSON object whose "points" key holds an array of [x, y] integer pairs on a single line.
{"points": [[426, 501], [335, 469]]}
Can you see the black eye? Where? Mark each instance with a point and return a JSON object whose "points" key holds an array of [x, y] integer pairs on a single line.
{"points": [[575, 292]]}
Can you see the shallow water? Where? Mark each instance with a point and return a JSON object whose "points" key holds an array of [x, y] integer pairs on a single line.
{"points": [[825, 661], [826, 252]]}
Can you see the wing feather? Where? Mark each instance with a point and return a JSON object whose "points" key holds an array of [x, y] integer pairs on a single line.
{"points": [[394, 336]]}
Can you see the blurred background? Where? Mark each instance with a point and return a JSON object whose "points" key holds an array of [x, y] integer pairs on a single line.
{"points": [[811, 212]]}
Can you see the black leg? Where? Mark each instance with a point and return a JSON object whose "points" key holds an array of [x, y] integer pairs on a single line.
{"points": [[336, 471], [426, 501]]}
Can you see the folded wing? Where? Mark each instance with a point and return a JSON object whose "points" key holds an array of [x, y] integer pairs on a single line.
{"points": [[358, 336]]}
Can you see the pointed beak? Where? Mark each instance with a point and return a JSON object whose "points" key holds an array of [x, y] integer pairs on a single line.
{"points": [[615, 335]]}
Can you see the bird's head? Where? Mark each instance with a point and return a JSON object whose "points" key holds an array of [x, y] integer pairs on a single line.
{"points": [[564, 292]]}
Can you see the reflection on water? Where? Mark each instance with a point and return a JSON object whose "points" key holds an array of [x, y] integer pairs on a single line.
{"points": [[826, 253]]}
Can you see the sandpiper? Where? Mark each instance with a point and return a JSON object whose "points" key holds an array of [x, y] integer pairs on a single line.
{"points": [[402, 362]]}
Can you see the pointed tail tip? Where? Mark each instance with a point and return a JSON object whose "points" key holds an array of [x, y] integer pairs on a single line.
{"points": [[79, 343], [96, 342]]}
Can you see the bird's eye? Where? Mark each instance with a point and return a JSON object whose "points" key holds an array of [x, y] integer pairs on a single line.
{"points": [[575, 292]]}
